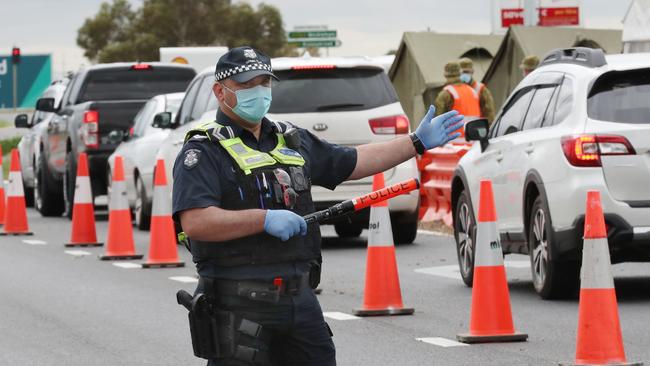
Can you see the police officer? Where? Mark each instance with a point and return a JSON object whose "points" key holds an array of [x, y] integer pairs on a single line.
{"points": [[486, 102], [241, 186]]}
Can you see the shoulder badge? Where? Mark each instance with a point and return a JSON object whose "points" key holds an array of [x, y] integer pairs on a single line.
{"points": [[191, 158]]}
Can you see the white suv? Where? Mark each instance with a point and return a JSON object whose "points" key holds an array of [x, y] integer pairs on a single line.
{"points": [[580, 122], [347, 101]]}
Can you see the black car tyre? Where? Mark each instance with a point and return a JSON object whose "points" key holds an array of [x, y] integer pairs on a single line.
{"points": [[465, 235], [406, 229], [347, 229], [29, 195], [142, 209], [69, 181], [552, 279], [48, 202]]}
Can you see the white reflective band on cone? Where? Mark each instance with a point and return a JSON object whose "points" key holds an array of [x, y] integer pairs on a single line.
{"points": [[82, 192], [15, 185], [596, 266], [488, 250], [118, 199], [161, 205], [380, 233]]}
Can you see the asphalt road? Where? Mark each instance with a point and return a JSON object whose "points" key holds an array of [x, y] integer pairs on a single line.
{"points": [[68, 308]]}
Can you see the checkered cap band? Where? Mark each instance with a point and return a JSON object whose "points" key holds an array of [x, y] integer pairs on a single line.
{"points": [[242, 68]]}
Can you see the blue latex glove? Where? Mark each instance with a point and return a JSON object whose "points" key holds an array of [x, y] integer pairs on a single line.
{"points": [[434, 132], [284, 224]]}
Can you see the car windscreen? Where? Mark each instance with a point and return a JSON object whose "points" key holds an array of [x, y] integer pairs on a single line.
{"points": [[127, 83], [325, 90], [621, 96]]}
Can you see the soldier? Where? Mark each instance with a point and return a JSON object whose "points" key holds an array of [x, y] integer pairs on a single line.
{"points": [[486, 101], [528, 64], [242, 184], [456, 95]]}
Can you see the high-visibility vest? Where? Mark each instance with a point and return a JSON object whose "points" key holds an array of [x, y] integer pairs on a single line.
{"points": [[478, 87], [466, 99]]}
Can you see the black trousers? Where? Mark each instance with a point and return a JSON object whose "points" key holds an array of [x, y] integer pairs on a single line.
{"points": [[295, 332]]}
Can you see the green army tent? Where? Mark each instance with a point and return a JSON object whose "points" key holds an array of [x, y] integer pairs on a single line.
{"points": [[417, 72], [504, 74]]}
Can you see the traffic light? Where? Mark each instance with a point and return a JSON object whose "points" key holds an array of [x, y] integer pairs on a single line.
{"points": [[15, 55]]}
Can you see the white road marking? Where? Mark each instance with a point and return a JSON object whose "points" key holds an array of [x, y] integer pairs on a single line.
{"points": [[184, 279], [127, 265], [442, 342], [453, 272], [77, 253], [34, 242], [336, 315]]}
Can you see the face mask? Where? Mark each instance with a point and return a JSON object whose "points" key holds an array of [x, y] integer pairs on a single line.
{"points": [[252, 104], [465, 77]]}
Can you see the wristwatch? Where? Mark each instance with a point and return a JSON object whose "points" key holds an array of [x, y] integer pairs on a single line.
{"points": [[417, 143]]}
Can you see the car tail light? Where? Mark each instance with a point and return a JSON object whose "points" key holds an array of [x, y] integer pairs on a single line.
{"points": [[586, 150], [393, 125], [90, 129], [141, 67], [314, 67]]}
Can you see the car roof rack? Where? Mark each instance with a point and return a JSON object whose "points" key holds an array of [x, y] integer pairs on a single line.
{"points": [[588, 57]]}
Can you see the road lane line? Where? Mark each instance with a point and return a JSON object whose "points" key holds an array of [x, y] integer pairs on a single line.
{"points": [[127, 265], [77, 253], [441, 342], [453, 272], [184, 279], [34, 242], [336, 315]]}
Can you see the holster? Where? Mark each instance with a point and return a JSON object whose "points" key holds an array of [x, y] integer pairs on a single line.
{"points": [[218, 333]]}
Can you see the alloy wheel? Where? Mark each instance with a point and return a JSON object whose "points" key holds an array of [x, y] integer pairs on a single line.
{"points": [[465, 242], [540, 249]]}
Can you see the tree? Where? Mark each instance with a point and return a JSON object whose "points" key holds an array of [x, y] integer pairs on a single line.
{"points": [[117, 33]]}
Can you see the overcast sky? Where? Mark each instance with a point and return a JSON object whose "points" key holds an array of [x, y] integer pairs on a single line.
{"points": [[365, 27]]}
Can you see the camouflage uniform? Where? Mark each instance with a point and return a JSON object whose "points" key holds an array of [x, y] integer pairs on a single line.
{"points": [[485, 97], [444, 101]]}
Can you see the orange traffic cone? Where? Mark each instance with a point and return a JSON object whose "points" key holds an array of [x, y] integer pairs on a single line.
{"points": [[599, 332], [491, 317], [83, 213], [162, 240], [2, 191], [382, 295], [119, 244], [15, 210]]}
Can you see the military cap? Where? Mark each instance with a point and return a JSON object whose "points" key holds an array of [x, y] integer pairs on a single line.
{"points": [[466, 64], [529, 63], [452, 69], [242, 64]]}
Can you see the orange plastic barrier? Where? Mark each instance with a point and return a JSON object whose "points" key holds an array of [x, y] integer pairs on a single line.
{"points": [[436, 171]]}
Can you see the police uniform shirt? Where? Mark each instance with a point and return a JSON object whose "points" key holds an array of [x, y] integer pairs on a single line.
{"points": [[203, 170]]}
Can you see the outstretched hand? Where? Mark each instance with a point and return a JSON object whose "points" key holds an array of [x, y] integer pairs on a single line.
{"points": [[437, 131]]}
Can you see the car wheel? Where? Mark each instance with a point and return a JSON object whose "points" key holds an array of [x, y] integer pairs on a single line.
{"points": [[347, 230], [29, 195], [69, 181], [405, 230], [551, 278], [142, 209], [47, 202], [465, 235]]}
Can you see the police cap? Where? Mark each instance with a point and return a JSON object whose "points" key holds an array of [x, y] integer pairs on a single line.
{"points": [[242, 64]]}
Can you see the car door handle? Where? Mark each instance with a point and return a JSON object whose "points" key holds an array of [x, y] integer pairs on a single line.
{"points": [[529, 149], [499, 157]]}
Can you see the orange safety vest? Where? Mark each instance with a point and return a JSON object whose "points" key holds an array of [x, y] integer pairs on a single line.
{"points": [[478, 87], [466, 101]]}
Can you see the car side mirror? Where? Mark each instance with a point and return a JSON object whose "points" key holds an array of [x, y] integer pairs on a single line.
{"points": [[22, 121], [477, 130], [116, 136], [45, 105], [163, 120]]}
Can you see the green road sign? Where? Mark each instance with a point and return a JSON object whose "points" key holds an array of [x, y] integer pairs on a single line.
{"points": [[306, 43], [313, 34]]}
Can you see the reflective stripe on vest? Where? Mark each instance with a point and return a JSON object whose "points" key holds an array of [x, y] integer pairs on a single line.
{"points": [[466, 100], [478, 88], [246, 158]]}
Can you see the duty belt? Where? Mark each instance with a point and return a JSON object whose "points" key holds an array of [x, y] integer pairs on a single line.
{"points": [[267, 291]]}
